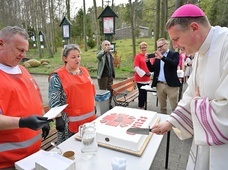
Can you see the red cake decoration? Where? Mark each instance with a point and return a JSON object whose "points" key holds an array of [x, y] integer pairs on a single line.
{"points": [[114, 119]]}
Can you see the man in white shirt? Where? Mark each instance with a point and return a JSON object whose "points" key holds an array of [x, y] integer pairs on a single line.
{"points": [[165, 77], [202, 112]]}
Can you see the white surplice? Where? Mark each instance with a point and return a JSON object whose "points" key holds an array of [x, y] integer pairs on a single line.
{"points": [[206, 117]]}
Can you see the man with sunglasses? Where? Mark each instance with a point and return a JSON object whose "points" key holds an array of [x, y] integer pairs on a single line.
{"points": [[165, 79]]}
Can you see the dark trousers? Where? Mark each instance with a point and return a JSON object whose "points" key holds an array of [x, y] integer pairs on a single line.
{"points": [[105, 83], [142, 95]]}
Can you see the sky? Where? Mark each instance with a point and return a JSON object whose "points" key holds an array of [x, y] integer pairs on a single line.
{"points": [[77, 4]]}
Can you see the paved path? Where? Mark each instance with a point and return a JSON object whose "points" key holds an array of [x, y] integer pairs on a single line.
{"points": [[179, 150]]}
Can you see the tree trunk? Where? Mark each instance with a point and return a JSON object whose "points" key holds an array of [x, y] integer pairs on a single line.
{"points": [[68, 8], [166, 17], [157, 25], [84, 26], [97, 27], [52, 26], [178, 3], [132, 14], [162, 19], [45, 30]]}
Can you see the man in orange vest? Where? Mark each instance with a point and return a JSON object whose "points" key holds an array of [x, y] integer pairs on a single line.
{"points": [[20, 101]]}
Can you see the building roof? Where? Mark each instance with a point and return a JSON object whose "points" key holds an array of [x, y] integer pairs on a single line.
{"points": [[107, 12]]}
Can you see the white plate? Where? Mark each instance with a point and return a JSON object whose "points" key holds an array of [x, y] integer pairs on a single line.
{"points": [[54, 112]]}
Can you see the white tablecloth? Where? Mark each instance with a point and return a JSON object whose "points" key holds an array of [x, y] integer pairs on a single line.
{"points": [[104, 156]]}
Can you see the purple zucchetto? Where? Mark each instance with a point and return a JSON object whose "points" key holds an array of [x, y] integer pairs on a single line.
{"points": [[188, 10]]}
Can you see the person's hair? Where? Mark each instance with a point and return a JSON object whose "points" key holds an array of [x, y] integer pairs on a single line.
{"points": [[67, 48], [10, 31], [104, 42], [163, 40], [185, 22], [142, 43]]}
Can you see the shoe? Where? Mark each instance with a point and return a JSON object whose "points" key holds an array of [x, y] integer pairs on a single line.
{"points": [[110, 106]]}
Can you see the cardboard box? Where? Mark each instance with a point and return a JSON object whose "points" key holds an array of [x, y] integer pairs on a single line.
{"points": [[43, 160]]}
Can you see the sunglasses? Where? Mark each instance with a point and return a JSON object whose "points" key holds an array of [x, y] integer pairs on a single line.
{"points": [[161, 46], [69, 47]]}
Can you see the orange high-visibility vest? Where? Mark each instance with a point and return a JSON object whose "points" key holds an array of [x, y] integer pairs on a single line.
{"points": [[80, 92], [19, 97]]}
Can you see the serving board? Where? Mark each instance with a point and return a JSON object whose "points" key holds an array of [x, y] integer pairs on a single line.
{"points": [[136, 153]]}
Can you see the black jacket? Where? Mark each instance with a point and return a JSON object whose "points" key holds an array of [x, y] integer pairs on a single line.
{"points": [[170, 69]]}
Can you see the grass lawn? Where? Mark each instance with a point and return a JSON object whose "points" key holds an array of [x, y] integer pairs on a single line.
{"points": [[123, 49]]}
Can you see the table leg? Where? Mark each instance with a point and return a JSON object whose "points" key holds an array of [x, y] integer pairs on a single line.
{"points": [[146, 100], [167, 151], [180, 91]]}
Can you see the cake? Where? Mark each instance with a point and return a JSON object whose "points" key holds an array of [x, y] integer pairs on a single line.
{"points": [[111, 127]]}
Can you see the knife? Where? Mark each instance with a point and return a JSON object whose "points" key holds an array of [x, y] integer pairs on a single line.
{"points": [[143, 131]]}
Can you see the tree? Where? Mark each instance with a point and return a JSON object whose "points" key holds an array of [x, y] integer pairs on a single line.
{"points": [[132, 14], [97, 28], [157, 23], [78, 25], [216, 10], [68, 9], [164, 15], [46, 15], [52, 26], [84, 26]]}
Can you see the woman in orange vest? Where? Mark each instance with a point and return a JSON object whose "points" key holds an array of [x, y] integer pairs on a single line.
{"points": [[71, 84]]}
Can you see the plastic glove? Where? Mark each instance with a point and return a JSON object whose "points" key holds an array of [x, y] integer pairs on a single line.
{"points": [[60, 124], [147, 74], [33, 122], [45, 130]]}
